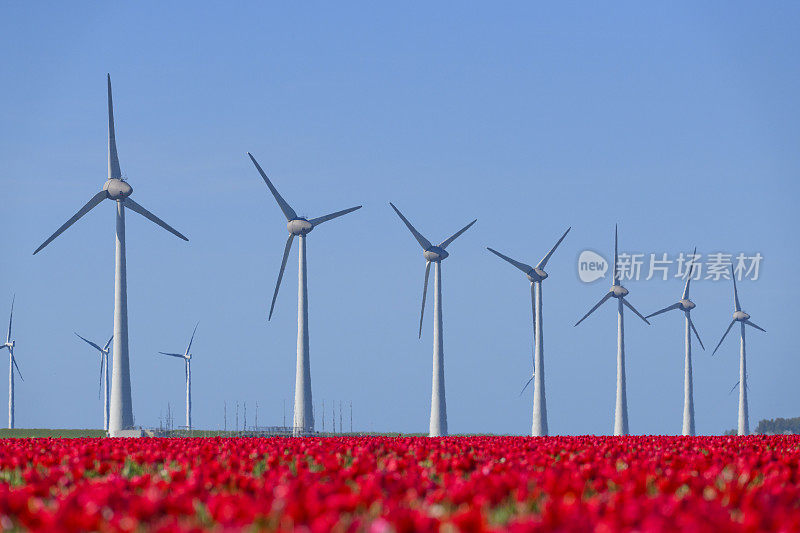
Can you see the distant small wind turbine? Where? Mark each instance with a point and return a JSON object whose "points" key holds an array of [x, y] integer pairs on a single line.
{"points": [[619, 292], [536, 275], [744, 320], [435, 254], [299, 227], [118, 190], [104, 351], [12, 363], [686, 305], [187, 358]]}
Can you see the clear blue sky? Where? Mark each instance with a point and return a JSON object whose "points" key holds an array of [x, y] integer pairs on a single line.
{"points": [[678, 121]]}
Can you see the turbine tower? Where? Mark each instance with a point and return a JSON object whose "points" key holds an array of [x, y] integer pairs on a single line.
{"points": [[119, 191], [435, 254], [536, 275], [299, 227], [686, 305], [619, 292], [744, 320], [12, 363], [104, 351], [187, 358]]}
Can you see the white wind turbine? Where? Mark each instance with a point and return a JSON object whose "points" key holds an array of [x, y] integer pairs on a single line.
{"points": [[619, 292], [686, 305], [536, 275], [12, 363], [435, 254], [744, 320], [119, 191], [104, 351], [187, 358], [300, 227]]}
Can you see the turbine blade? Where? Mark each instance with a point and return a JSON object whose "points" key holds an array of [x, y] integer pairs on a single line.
{"points": [[113, 159], [723, 336], [749, 323], [100, 385], [14, 359], [736, 305], [96, 199], [179, 355], [319, 220], [288, 212], [668, 308], [522, 266], [593, 309], [192, 339], [425, 243], [90, 343], [444, 244], [632, 308], [526, 386], [546, 258], [286, 251], [133, 206], [616, 253], [733, 388], [696, 334], [108, 343], [424, 295], [11, 318], [689, 276]]}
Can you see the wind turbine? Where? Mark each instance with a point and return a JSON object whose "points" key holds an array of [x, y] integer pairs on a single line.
{"points": [[536, 275], [619, 292], [744, 320], [435, 254], [104, 351], [119, 191], [686, 305], [300, 227], [187, 358], [12, 362]]}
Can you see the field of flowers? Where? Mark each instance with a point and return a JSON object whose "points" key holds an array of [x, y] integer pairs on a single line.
{"points": [[378, 484]]}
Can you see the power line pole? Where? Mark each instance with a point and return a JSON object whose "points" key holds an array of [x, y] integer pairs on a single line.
{"points": [[244, 425], [333, 417], [225, 414], [341, 428], [237, 417], [323, 416], [351, 416], [256, 415]]}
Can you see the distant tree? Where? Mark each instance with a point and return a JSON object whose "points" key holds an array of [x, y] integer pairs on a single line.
{"points": [[779, 426]]}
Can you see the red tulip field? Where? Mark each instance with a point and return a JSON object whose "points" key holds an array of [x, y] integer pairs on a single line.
{"points": [[382, 484]]}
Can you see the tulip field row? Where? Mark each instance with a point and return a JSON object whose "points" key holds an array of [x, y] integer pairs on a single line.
{"points": [[382, 484]]}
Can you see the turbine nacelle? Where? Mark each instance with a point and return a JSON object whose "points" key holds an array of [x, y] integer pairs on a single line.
{"points": [[435, 253], [117, 189], [618, 291], [686, 304], [740, 316], [299, 226], [536, 274]]}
